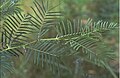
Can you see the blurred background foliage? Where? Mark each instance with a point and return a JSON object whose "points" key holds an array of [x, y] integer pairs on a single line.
{"points": [[106, 10]]}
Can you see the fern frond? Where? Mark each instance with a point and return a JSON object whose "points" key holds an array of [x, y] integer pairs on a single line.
{"points": [[44, 16], [76, 28], [78, 35], [8, 7], [84, 43], [5, 64], [73, 38], [84, 47], [13, 34], [47, 53], [15, 29]]}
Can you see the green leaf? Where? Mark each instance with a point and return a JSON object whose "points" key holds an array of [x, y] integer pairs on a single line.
{"points": [[6, 64], [44, 16], [76, 28]]}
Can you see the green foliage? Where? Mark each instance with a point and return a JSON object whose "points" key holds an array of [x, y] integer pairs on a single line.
{"points": [[5, 63], [8, 7], [73, 38], [77, 27]]}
